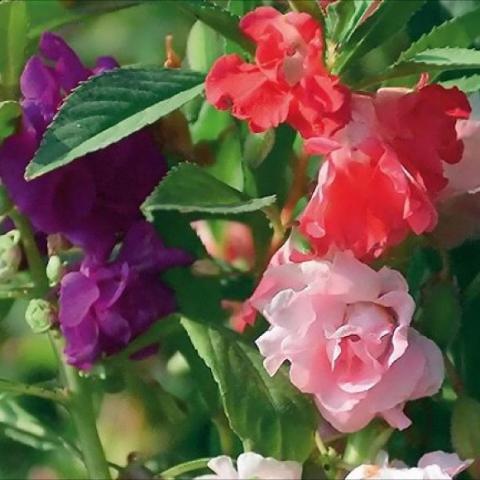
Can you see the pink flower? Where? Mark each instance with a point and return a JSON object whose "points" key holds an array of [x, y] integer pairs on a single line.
{"points": [[345, 329], [384, 170], [232, 243], [287, 82], [252, 465], [432, 466]]}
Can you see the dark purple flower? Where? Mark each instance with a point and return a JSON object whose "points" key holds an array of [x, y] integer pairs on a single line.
{"points": [[96, 198], [103, 307]]}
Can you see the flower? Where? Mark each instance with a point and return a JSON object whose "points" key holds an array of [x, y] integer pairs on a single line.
{"points": [[345, 329], [232, 242], [384, 170], [432, 466], [252, 465], [288, 81], [95, 198], [104, 306]]}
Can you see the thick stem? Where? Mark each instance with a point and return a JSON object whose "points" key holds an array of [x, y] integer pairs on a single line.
{"points": [[81, 409], [79, 401]]}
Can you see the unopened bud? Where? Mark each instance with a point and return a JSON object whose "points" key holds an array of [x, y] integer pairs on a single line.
{"points": [[10, 254], [55, 270], [40, 315]]}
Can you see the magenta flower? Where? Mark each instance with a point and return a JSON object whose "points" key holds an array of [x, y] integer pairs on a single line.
{"points": [[96, 198], [103, 307]]}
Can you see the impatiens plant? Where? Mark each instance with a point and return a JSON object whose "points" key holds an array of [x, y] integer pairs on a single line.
{"points": [[251, 253]]}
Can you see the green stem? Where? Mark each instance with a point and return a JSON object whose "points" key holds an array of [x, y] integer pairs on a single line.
{"points": [[35, 262], [79, 399], [184, 468], [81, 409], [32, 390]]}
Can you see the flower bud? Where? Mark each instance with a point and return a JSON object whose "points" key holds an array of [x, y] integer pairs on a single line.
{"points": [[40, 315], [10, 254], [55, 270]]}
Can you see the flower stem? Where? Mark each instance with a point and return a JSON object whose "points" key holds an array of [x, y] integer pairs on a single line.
{"points": [[32, 390], [81, 409], [79, 401], [184, 468]]}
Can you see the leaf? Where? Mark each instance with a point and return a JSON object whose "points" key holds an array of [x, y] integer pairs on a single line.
{"points": [[60, 15], [9, 112], [390, 17], [458, 32], [204, 46], [468, 84], [218, 18], [267, 413], [188, 188], [13, 32], [432, 60], [109, 107], [18, 424], [257, 147], [343, 18], [466, 430]]}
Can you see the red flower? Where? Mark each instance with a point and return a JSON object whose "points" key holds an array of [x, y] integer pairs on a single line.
{"points": [[384, 170], [288, 81], [420, 126]]}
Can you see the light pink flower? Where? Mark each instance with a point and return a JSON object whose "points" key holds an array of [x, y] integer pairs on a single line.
{"points": [[432, 466], [252, 465], [345, 329]]}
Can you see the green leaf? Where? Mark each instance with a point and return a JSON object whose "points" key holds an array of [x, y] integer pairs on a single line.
{"points": [[466, 430], [468, 84], [344, 17], [51, 14], [9, 112], [218, 18], [267, 413], [109, 107], [204, 46], [432, 60], [391, 16], [458, 32], [21, 426], [188, 188], [13, 32], [257, 147]]}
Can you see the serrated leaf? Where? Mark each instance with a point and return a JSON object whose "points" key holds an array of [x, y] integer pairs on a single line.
{"points": [[343, 18], [188, 188], [468, 84], [391, 16], [218, 18], [267, 413], [109, 107], [458, 32], [432, 60]]}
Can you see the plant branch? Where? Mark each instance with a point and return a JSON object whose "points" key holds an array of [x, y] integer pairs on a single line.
{"points": [[183, 468], [17, 388]]}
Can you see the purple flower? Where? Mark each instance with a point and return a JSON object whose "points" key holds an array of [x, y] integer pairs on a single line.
{"points": [[103, 307], [95, 199]]}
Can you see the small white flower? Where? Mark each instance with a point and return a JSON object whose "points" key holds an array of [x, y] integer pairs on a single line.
{"points": [[252, 466]]}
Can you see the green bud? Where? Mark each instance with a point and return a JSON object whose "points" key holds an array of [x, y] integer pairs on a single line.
{"points": [[55, 270], [10, 254], [40, 315]]}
